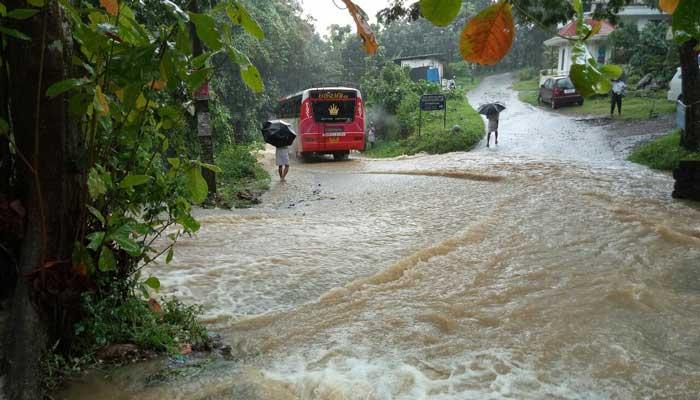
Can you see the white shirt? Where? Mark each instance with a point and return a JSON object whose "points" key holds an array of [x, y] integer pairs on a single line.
{"points": [[619, 87]]}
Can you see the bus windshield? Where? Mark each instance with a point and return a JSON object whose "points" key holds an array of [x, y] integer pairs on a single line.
{"points": [[333, 105]]}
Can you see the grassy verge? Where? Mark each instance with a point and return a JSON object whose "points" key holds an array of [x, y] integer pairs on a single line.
{"points": [[635, 106], [243, 179], [468, 83], [435, 139], [528, 90], [663, 153]]}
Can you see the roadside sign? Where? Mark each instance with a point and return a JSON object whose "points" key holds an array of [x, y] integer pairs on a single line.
{"points": [[432, 102]]}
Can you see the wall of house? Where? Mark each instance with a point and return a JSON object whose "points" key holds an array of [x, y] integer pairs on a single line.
{"points": [[598, 49]]}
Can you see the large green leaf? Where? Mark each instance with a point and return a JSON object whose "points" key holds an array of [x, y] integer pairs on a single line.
{"points": [[686, 21], [14, 33], [169, 256], [201, 60], [96, 239], [237, 56], [196, 185], [96, 213], [212, 168], [239, 16], [134, 180], [122, 236], [197, 78], [96, 184], [152, 283], [440, 12], [22, 13], [611, 71], [251, 77], [188, 222], [107, 262], [183, 43], [206, 30], [586, 74], [64, 86]]}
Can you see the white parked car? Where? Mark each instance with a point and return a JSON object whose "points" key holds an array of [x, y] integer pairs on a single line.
{"points": [[675, 87]]}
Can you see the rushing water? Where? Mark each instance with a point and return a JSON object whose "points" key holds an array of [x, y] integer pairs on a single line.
{"points": [[546, 268]]}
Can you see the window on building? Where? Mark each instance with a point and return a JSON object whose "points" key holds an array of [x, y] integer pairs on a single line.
{"points": [[601, 54], [562, 58]]}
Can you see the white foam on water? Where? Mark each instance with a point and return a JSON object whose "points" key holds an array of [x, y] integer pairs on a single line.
{"points": [[484, 375]]}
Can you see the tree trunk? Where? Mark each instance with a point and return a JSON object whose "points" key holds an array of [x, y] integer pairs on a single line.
{"points": [[49, 192], [202, 114], [690, 139]]}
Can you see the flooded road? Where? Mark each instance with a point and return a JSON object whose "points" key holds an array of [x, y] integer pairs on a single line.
{"points": [[544, 268]]}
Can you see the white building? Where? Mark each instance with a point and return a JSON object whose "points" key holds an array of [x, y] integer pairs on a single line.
{"points": [[637, 13], [430, 67]]}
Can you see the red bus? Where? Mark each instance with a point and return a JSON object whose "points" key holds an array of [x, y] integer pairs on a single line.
{"points": [[327, 120]]}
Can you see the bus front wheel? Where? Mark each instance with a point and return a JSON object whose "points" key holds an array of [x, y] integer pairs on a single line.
{"points": [[341, 156]]}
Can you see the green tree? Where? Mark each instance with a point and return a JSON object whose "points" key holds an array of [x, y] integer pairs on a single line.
{"points": [[94, 107]]}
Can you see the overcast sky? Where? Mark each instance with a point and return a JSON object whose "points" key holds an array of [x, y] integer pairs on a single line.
{"points": [[326, 13]]}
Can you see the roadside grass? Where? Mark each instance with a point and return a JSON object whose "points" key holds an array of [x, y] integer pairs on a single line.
{"points": [[467, 83], [435, 139], [664, 153], [527, 90], [635, 106], [242, 179]]}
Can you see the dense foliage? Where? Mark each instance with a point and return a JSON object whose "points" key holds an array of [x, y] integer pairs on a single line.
{"points": [[645, 52], [128, 97]]}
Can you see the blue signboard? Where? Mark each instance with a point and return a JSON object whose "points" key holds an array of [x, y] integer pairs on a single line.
{"points": [[433, 75]]}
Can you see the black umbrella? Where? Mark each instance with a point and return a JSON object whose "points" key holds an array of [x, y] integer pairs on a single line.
{"points": [[491, 108], [278, 133]]}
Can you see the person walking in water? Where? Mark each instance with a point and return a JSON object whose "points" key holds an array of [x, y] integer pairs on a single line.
{"points": [[618, 91], [492, 127], [282, 161]]}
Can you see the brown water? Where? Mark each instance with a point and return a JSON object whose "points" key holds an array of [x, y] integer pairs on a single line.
{"points": [[563, 274]]}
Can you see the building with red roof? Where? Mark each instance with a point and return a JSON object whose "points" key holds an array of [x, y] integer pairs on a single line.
{"points": [[637, 13]]}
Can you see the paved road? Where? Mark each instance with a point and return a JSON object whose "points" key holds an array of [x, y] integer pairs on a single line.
{"points": [[539, 133]]}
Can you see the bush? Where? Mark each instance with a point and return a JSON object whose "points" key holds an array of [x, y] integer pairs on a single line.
{"points": [[407, 115], [526, 74], [643, 52], [242, 178], [238, 163], [117, 319], [459, 69]]}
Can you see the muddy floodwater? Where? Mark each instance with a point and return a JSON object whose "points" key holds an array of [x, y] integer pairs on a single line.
{"points": [[545, 268]]}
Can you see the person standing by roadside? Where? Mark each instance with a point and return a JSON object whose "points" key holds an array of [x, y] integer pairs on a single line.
{"points": [[618, 91], [371, 135], [282, 161], [493, 126]]}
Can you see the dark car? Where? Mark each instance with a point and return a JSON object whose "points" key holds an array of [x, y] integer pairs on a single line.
{"points": [[558, 92]]}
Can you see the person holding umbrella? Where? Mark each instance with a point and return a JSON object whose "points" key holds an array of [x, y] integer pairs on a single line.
{"points": [[281, 135], [492, 112]]}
